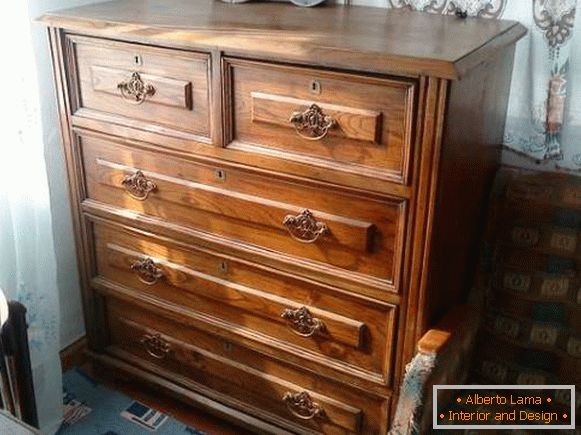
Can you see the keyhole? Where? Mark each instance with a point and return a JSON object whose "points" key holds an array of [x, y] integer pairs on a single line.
{"points": [[137, 60], [220, 174], [223, 266], [315, 87]]}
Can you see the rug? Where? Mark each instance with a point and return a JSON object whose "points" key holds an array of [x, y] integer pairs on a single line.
{"points": [[93, 409]]}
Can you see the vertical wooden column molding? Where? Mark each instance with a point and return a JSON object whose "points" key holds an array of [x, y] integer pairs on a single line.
{"points": [[66, 93], [311, 196]]}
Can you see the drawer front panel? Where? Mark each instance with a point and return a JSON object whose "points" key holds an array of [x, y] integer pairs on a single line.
{"points": [[347, 122], [319, 322], [362, 238], [161, 90], [238, 374]]}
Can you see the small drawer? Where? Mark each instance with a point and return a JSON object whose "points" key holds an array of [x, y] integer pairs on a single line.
{"points": [[239, 377], [352, 335], [337, 234], [160, 90], [347, 122]]}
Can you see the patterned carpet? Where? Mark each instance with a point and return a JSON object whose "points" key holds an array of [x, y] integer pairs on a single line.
{"points": [[92, 409]]}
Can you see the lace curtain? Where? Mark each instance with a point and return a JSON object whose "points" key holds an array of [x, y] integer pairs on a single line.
{"points": [[27, 256], [544, 114]]}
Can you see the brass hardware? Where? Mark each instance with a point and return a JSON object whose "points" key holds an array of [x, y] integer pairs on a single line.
{"points": [[138, 186], [304, 227], [315, 87], [223, 266], [147, 271], [156, 346], [301, 405], [313, 121], [302, 322], [134, 90], [220, 174]]}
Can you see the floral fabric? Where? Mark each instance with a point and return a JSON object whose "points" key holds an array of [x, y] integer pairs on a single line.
{"points": [[544, 114]]}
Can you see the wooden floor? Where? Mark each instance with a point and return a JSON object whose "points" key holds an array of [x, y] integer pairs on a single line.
{"points": [[180, 411]]}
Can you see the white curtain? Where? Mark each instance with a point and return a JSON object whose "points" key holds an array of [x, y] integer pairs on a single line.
{"points": [[544, 113], [27, 254]]}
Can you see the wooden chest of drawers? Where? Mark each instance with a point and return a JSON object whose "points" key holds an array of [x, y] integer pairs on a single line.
{"points": [[272, 204]]}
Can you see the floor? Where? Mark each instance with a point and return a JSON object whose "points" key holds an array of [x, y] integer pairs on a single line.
{"points": [[118, 396]]}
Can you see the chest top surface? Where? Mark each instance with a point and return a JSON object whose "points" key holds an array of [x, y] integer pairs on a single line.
{"points": [[359, 38]]}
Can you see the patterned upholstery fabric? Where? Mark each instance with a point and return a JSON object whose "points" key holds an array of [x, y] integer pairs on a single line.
{"points": [[531, 332], [529, 286]]}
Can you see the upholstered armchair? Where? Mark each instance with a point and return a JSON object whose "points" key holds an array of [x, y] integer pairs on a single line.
{"points": [[444, 355], [524, 322]]}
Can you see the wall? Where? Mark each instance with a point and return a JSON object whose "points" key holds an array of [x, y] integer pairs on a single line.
{"points": [[72, 324]]}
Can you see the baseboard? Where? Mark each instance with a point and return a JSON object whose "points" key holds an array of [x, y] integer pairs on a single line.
{"points": [[74, 355]]}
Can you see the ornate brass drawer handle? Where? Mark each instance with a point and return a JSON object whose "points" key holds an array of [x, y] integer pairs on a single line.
{"points": [[302, 322], [156, 346], [138, 186], [304, 227], [301, 405], [313, 121], [135, 90], [147, 271]]}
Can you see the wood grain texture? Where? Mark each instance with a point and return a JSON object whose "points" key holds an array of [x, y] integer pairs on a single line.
{"points": [[167, 91], [470, 157], [235, 373], [351, 123], [179, 105], [202, 215], [365, 238], [358, 334], [369, 39], [373, 117]]}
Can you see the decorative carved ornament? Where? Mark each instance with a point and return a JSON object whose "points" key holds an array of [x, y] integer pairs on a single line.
{"points": [[304, 227], [313, 122], [302, 405], [138, 186], [156, 346], [147, 271], [473, 8], [302, 322], [135, 90], [556, 19]]}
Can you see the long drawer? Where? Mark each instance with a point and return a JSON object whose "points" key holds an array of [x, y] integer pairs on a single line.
{"points": [[237, 376], [321, 324], [347, 122], [155, 89], [336, 233]]}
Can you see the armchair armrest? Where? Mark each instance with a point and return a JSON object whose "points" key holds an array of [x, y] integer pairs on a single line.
{"points": [[443, 358], [459, 324]]}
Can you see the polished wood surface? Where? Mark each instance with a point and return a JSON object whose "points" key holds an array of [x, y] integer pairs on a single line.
{"points": [[250, 299], [179, 101], [270, 216], [372, 117], [362, 242], [377, 40], [232, 373]]}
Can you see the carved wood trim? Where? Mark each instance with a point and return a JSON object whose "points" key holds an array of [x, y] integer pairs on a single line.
{"points": [[279, 350], [340, 328]]}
